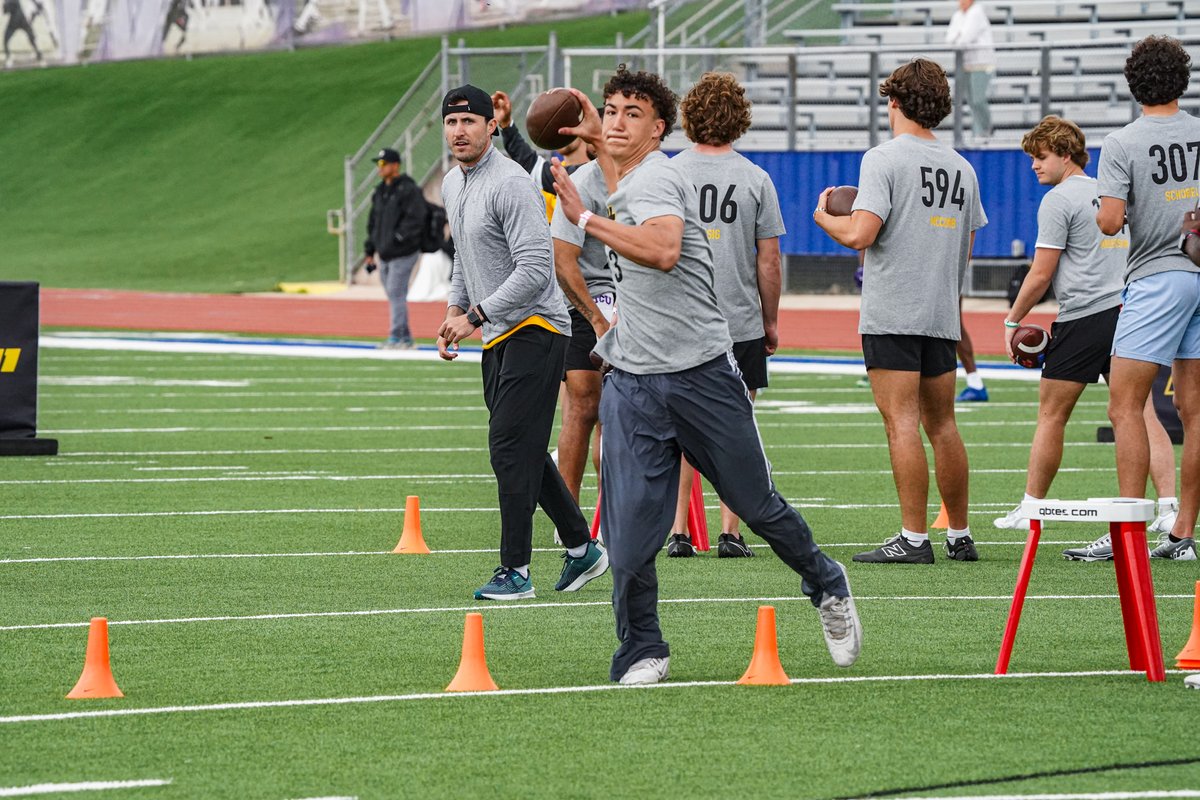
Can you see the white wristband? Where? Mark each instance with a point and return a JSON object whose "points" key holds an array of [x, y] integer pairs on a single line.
{"points": [[583, 219]]}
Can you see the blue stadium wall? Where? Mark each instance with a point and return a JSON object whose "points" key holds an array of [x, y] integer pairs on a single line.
{"points": [[1010, 193]]}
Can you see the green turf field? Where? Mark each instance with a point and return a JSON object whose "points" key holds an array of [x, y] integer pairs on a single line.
{"points": [[233, 517]]}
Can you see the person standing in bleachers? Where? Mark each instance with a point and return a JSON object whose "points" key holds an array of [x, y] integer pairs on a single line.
{"points": [[971, 30]]}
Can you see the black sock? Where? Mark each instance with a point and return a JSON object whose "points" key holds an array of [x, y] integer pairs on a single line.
{"points": [[1173, 538]]}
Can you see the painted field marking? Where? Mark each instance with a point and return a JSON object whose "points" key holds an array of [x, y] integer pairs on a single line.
{"points": [[515, 606], [552, 690], [463, 477], [439, 552], [1077, 796], [86, 786]]}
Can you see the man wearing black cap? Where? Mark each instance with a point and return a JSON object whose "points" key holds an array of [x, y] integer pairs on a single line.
{"points": [[503, 282], [393, 243]]}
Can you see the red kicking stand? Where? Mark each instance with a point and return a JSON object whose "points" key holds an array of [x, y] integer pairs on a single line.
{"points": [[1126, 518]]}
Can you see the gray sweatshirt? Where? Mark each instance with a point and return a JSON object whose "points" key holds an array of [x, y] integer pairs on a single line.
{"points": [[503, 257]]}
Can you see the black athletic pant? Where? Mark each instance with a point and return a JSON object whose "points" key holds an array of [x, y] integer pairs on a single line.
{"points": [[521, 376]]}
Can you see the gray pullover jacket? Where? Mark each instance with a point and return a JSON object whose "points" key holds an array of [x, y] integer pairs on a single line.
{"points": [[503, 257]]}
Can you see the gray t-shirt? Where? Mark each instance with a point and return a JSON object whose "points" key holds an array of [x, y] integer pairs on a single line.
{"points": [[928, 198], [593, 260], [1088, 278], [666, 321], [1153, 164], [738, 206], [503, 259]]}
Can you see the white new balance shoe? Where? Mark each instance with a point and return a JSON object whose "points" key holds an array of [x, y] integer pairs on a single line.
{"points": [[646, 671]]}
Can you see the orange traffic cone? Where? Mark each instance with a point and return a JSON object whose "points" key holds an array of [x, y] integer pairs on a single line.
{"points": [[473, 675], [765, 669], [697, 520], [97, 678], [1189, 656], [411, 540], [942, 520]]}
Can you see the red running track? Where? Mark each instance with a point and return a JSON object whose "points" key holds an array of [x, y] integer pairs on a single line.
{"points": [[306, 315]]}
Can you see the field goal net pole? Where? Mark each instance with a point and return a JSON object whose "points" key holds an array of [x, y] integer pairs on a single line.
{"points": [[1126, 518]]}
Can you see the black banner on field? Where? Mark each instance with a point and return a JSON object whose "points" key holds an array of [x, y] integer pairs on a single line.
{"points": [[1163, 393], [19, 371]]}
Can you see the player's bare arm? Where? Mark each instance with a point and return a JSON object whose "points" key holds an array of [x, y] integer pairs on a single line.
{"points": [[1191, 236], [857, 231], [591, 131], [571, 281], [1111, 216], [1033, 289], [768, 263], [502, 107]]}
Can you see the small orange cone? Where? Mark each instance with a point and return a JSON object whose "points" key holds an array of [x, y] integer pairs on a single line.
{"points": [[473, 675], [765, 669], [942, 520], [411, 541], [97, 678], [1189, 656]]}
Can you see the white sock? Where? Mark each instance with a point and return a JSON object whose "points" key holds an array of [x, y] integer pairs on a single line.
{"points": [[974, 381], [522, 571], [577, 552], [1168, 504], [915, 539], [953, 535]]}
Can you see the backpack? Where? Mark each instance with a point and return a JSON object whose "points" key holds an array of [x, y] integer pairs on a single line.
{"points": [[433, 236]]}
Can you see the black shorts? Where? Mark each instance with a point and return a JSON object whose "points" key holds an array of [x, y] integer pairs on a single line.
{"points": [[579, 351], [1080, 350], [751, 359], [924, 354]]}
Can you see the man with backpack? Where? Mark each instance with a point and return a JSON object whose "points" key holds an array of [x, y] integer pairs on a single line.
{"points": [[396, 227]]}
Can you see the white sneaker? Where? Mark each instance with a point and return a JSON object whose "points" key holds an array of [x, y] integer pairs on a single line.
{"points": [[1012, 521], [1192, 681], [646, 671], [843, 631], [1165, 521]]}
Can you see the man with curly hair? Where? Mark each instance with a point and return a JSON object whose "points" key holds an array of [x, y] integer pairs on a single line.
{"points": [[1085, 269], [1148, 173], [916, 215], [674, 388], [740, 212]]}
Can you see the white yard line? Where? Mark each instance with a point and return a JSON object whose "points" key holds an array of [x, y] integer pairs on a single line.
{"points": [[539, 606], [438, 552], [553, 690], [86, 786]]}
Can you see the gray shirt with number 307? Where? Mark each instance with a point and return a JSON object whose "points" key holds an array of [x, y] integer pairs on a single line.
{"points": [[928, 198]]}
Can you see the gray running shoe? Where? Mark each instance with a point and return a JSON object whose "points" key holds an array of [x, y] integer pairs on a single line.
{"points": [[843, 631], [897, 550], [647, 671], [1183, 550], [730, 546], [679, 545], [962, 549], [1099, 550]]}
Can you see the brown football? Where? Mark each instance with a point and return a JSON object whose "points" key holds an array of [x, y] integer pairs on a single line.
{"points": [[1029, 345], [841, 201], [549, 111]]}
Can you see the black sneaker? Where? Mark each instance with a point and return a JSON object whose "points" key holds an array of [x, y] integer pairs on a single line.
{"points": [[897, 550], [962, 550], [730, 546], [679, 545]]}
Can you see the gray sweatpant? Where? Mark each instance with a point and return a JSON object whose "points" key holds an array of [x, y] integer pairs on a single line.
{"points": [[395, 274], [705, 413]]}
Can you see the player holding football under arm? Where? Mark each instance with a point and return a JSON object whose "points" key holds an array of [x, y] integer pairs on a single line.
{"points": [[1085, 269], [916, 215], [674, 388], [740, 212], [1147, 177], [503, 283]]}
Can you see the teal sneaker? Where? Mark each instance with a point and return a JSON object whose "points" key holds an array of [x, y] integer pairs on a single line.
{"points": [[578, 572], [506, 584]]}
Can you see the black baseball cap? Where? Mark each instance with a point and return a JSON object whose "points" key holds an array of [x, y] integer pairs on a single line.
{"points": [[477, 101], [388, 156]]}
